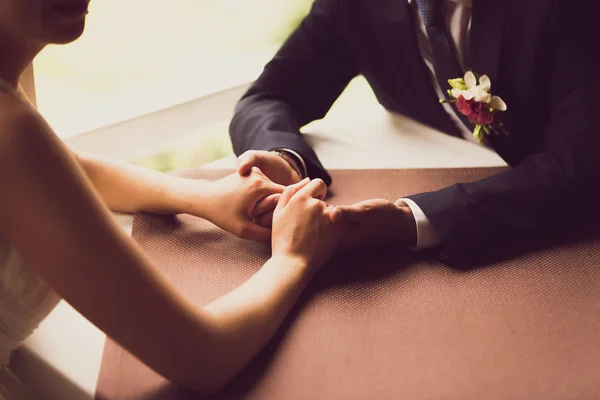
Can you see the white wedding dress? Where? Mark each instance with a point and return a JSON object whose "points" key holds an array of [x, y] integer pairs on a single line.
{"points": [[25, 299]]}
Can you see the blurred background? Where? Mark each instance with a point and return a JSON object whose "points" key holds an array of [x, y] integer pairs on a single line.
{"points": [[137, 57]]}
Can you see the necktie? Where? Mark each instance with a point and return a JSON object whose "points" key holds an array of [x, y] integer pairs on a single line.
{"points": [[445, 62]]}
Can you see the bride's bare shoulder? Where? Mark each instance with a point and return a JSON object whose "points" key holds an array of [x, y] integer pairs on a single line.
{"points": [[18, 121]]}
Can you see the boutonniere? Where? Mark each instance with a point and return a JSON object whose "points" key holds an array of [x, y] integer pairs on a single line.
{"points": [[473, 99]]}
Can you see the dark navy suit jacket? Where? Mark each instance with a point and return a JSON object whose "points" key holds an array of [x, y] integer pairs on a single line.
{"points": [[542, 59]]}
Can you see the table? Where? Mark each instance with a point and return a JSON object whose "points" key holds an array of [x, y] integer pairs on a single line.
{"points": [[63, 356], [389, 324]]}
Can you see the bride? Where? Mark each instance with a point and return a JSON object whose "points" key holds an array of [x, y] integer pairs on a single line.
{"points": [[58, 239]]}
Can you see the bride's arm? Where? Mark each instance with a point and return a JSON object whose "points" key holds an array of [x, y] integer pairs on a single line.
{"points": [[51, 214], [229, 202], [128, 188]]}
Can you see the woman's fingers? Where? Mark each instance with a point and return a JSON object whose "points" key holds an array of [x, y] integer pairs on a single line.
{"points": [[265, 220], [290, 191], [317, 189], [269, 187]]}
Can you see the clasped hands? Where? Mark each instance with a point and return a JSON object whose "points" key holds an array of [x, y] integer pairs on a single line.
{"points": [[366, 224], [266, 201]]}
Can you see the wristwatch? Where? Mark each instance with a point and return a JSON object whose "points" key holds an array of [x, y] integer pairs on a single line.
{"points": [[294, 161]]}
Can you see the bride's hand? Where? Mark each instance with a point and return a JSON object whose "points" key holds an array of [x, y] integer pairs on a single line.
{"points": [[230, 203], [305, 229]]}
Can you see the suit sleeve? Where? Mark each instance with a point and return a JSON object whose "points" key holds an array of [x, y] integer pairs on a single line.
{"points": [[513, 209], [297, 86]]}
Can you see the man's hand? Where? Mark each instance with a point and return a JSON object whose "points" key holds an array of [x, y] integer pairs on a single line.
{"points": [[275, 167], [230, 203], [375, 223], [304, 227]]}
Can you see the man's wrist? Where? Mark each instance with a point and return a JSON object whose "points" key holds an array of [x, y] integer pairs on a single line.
{"points": [[427, 237], [294, 160], [405, 226]]}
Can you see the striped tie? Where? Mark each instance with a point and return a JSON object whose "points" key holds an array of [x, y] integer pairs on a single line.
{"points": [[445, 62]]}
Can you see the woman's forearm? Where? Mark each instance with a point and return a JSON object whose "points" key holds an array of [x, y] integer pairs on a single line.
{"points": [[247, 317], [129, 189], [79, 251]]}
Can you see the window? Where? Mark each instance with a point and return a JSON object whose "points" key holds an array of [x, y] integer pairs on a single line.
{"points": [[139, 56]]}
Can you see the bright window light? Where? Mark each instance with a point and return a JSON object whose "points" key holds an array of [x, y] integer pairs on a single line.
{"points": [[139, 56]]}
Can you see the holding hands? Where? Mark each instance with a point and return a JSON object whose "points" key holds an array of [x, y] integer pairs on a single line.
{"points": [[305, 229], [278, 168], [273, 165], [378, 222], [231, 203], [267, 184], [249, 202]]}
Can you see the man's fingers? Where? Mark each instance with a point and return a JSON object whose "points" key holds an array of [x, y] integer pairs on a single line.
{"points": [[270, 187], [246, 161], [266, 205], [337, 215], [244, 167], [255, 170], [265, 220], [290, 191], [354, 213], [316, 189]]}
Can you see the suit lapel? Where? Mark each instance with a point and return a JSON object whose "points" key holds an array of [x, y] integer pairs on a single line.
{"points": [[413, 77], [483, 57], [485, 38]]}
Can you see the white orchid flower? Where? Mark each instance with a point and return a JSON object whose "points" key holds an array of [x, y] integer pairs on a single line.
{"points": [[471, 90], [498, 104]]}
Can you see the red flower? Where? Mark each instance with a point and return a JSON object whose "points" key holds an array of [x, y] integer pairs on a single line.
{"points": [[463, 105], [484, 118], [477, 112]]}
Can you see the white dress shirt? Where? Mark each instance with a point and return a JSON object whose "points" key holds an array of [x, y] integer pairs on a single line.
{"points": [[457, 14]]}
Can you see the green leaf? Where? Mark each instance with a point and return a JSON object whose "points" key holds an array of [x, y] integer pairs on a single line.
{"points": [[442, 101], [478, 134]]}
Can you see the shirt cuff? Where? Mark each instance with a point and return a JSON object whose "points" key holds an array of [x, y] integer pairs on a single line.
{"points": [[304, 171], [427, 237]]}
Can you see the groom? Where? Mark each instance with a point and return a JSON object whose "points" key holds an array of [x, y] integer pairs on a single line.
{"points": [[541, 57]]}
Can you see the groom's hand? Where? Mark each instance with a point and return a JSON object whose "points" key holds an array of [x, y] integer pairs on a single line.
{"points": [[231, 203], [276, 167], [374, 223]]}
